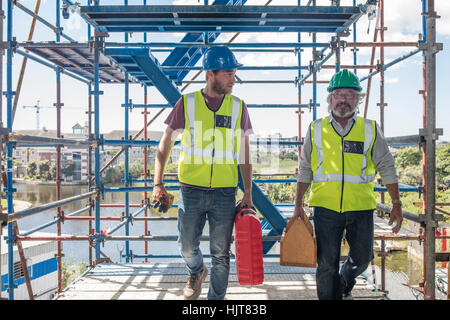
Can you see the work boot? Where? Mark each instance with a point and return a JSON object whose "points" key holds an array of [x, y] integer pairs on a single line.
{"points": [[193, 286], [347, 296]]}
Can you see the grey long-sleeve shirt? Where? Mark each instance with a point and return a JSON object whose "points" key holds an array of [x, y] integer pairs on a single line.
{"points": [[384, 161]]}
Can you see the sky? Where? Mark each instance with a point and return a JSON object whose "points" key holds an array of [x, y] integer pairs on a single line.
{"points": [[403, 114]]}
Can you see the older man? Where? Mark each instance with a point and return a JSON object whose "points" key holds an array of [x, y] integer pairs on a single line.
{"points": [[339, 159], [215, 127]]}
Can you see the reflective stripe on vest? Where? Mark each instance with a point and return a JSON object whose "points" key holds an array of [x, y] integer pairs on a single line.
{"points": [[208, 154], [362, 178], [210, 143], [343, 170]]}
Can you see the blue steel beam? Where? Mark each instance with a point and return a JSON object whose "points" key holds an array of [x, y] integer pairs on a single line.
{"points": [[195, 28], [204, 45], [294, 82], [125, 222], [402, 187], [50, 223], [168, 68], [142, 143], [261, 106], [316, 67]]}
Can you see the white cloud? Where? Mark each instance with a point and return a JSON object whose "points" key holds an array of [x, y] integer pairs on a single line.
{"points": [[443, 23], [391, 80]]}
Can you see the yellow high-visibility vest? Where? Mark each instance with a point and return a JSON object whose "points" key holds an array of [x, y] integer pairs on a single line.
{"points": [[210, 142], [343, 169]]}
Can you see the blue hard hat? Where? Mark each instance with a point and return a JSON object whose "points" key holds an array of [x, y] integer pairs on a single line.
{"points": [[219, 58]]}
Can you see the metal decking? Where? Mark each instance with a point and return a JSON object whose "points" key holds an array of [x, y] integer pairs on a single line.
{"points": [[78, 58], [166, 280], [220, 18]]}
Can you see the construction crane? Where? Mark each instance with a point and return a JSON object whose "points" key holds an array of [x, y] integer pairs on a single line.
{"points": [[38, 108]]}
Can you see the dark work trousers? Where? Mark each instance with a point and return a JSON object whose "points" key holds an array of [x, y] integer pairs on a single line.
{"points": [[330, 227]]}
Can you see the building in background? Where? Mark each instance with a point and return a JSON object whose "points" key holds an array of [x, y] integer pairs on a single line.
{"points": [[23, 156]]}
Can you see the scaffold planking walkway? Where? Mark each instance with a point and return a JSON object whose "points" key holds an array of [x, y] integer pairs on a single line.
{"points": [[166, 280]]}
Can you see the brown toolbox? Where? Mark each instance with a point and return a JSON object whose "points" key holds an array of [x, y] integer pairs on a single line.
{"points": [[298, 244]]}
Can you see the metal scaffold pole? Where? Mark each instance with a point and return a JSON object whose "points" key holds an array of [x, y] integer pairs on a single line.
{"points": [[382, 104], [145, 156], [424, 125], [97, 44], [145, 168], [126, 169], [355, 50], [299, 93], [127, 156], [338, 44], [58, 179], [372, 58], [430, 134], [89, 175], [314, 84], [9, 151], [2, 52]]}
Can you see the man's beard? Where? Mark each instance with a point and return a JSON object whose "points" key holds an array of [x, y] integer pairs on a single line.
{"points": [[339, 114], [220, 88]]}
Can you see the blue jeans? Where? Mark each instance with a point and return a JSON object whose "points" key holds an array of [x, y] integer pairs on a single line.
{"points": [[219, 205], [329, 229]]}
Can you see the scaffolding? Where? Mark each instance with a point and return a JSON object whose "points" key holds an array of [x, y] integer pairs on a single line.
{"points": [[99, 62]]}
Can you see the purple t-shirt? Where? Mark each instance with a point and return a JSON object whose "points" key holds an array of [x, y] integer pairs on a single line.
{"points": [[175, 120]]}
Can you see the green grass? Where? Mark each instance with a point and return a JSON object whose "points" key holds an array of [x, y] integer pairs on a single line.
{"points": [[71, 271]]}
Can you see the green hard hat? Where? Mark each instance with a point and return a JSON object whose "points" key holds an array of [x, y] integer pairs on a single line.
{"points": [[344, 79]]}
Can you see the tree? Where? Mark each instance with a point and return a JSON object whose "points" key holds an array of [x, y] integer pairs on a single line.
{"points": [[43, 168], [52, 172], [410, 156], [112, 175], [136, 169], [411, 176], [32, 169], [443, 164], [68, 169], [409, 165]]}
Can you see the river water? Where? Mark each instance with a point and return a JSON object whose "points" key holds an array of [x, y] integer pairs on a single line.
{"points": [[79, 250]]}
